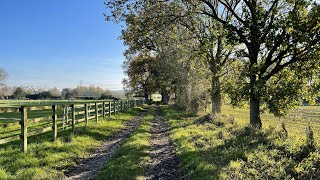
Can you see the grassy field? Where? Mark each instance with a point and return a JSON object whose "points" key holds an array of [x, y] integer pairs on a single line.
{"points": [[8, 129], [17, 103], [226, 148], [9, 122], [49, 160]]}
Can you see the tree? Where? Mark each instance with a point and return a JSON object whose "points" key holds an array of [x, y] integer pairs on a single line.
{"points": [[55, 92], [106, 94], [139, 70], [4, 92], [277, 43], [278, 37], [3, 77], [3, 88], [151, 25], [19, 93], [214, 49], [66, 93]]}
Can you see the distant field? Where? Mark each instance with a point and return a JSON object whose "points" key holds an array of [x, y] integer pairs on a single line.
{"points": [[38, 119], [296, 121], [15, 103]]}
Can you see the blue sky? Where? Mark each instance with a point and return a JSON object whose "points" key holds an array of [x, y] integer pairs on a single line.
{"points": [[59, 43]]}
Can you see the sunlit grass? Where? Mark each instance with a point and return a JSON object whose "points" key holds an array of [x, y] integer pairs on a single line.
{"points": [[49, 160], [296, 121], [225, 148]]}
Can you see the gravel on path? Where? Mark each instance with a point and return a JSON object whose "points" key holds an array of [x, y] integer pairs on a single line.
{"points": [[164, 162], [90, 167]]}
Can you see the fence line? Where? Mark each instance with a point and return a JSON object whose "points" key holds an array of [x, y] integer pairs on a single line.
{"points": [[106, 108]]}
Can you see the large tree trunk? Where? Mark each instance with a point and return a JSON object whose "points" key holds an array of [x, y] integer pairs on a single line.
{"points": [[254, 103], [216, 95], [254, 93], [255, 112]]}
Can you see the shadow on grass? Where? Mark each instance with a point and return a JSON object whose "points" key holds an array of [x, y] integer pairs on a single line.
{"points": [[62, 154], [195, 163], [210, 162], [125, 164]]}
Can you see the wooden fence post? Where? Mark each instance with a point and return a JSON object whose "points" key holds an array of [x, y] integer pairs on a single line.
{"points": [[117, 107], [104, 110], [63, 117], [109, 108], [73, 110], [86, 114], [24, 129], [96, 111], [54, 122]]}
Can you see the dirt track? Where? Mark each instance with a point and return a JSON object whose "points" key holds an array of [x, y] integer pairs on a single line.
{"points": [[164, 162], [90, 166]]}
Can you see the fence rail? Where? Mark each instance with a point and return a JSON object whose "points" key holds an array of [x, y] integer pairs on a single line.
{"points": [[79, 113]]}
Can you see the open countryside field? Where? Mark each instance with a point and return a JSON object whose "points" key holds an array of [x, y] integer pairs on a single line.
{"points": [[49, 160], [40, 114], [205, 148], [16, 103], [296, 121], [225, 148], [160, 90]]}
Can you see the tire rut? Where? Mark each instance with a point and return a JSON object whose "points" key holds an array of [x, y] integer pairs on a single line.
{"points": [[164, 162], [89, 167]]}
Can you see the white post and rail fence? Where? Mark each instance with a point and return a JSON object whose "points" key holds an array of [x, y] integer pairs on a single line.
{"points": [[64, 116]]}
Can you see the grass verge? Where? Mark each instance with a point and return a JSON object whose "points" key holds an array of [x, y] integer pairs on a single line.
{"points": [[222, 148], [49, 160], [129, 161]]}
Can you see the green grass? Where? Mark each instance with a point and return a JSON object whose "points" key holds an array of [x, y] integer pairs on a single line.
{"points": [[49, 160], [296, 121], [15, 130], [17, 103], [129, 161], [226, 148]]}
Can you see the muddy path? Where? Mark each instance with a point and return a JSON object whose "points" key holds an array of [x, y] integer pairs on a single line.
{"points": [[88, 168], [164, 162]]}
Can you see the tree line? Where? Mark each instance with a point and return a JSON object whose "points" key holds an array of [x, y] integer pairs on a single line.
{"points": [[264, 53], [80, 92]]}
